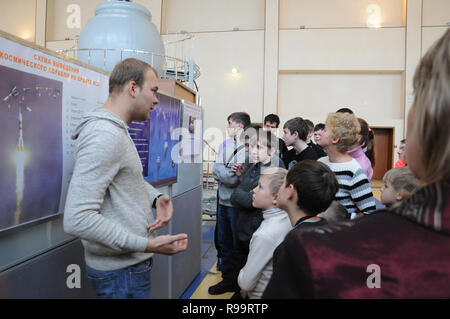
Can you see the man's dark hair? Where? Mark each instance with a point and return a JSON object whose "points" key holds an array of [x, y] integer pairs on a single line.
{"points": [[310, 125], [258, 135], [319, 127], [272, 118], [297, 124], [315, 183], [240, 117], [128, 70], [344, 110]]}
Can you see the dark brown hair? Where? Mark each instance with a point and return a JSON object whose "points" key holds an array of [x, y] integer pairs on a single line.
{"points": [[297, 124], [128, 70], [315, 183], [367, 140]]}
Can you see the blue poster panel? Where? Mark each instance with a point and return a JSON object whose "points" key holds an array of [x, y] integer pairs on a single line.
{"points": [[31, 146], [163, 144], [42, 100], [140, 134]]}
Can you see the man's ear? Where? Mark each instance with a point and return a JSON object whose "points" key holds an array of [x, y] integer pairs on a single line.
{"points": [[131, 87], [292, 192]]}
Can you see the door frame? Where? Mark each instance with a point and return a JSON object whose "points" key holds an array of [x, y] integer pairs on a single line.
{"points": [[391, 160]]}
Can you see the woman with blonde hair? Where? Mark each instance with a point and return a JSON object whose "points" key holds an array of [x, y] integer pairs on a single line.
{"points": [[403, 252], [340, 134]]}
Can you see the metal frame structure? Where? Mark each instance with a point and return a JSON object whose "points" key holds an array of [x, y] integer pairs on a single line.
{"points": [[173, 68]]}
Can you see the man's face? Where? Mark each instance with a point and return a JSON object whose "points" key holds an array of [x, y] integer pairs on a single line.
{"points": [[283, 195], [262, 196], [270, 127], [233, 128], [146, 98], [289, 138], [259, 153], [317, 135]]}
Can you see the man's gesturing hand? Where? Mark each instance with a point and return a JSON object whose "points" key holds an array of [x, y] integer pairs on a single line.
{"points": [[167, 244], [164, 213]]}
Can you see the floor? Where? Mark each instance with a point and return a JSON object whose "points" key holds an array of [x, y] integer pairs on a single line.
{"points": [[209, 275]]}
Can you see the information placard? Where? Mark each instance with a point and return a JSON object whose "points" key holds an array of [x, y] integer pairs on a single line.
{"points": [[42, 100]]}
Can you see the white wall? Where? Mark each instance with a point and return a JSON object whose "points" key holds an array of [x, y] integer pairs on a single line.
{"points": [[314, 95], [221, 91], [342, 49], [436, 13], [213, 15], [18, 18], [339, 13], [217, 49], [436, 16]]}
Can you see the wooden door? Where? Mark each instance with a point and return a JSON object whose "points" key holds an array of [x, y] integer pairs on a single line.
{"points": [[384, 149]]}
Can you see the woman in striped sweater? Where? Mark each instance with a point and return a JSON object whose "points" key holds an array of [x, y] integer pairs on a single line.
{"points": [[340, 133]]}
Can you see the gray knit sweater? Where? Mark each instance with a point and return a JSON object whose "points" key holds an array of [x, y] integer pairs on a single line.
{"points": [[108, 203]]}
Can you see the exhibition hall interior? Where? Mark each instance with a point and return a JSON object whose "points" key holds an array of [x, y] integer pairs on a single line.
{"points": [[222, 66]]}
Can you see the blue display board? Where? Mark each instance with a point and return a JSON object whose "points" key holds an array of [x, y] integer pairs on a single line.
{"points": [[157, 141], [30, 120], [42, 100]]}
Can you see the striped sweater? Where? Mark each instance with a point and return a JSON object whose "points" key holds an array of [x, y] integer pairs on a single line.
{"points": [[354, 192]]}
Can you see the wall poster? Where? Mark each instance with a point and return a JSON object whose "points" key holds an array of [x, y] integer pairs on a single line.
{"points": [[42, 100], [163, 144], [191, 135]]}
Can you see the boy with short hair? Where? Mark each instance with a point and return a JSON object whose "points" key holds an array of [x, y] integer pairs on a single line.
{"points": [[318, 130], [271, 123], [231, 152], [399, 183], [296, 134], [263, 146], [317, 148], [355, 194], [308, 189], [255, 275]]}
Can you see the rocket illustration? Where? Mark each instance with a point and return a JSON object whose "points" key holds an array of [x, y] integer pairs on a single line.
{"points": [[20, 141], [12, 93]]}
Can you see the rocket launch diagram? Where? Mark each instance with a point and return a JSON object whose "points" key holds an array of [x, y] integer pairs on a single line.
{"points": [[30, 140]]}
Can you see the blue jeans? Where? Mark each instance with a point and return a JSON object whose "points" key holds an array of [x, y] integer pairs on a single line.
{"points": [[132, 282], [227, 238]]}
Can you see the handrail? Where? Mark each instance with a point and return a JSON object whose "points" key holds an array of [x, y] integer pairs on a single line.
{"points": [[179, 72]]}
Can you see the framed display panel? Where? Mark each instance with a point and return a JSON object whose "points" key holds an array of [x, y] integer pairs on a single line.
{"points": [[191, 131], [42, 100], [163, 140]]}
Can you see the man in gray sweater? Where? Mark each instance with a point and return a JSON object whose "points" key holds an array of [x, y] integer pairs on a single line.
{"points": [[109, 203]]}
